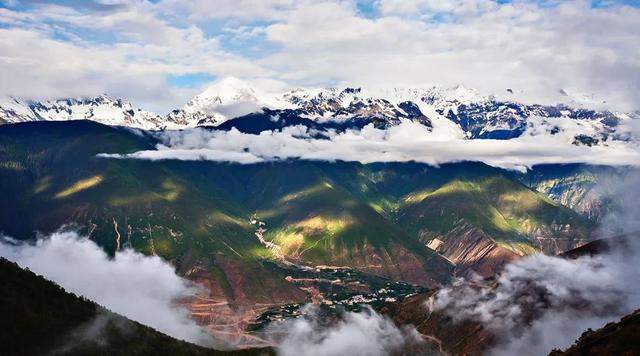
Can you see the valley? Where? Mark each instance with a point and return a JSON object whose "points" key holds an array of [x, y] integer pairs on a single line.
{"points": [[320, 178], [263, 240]]}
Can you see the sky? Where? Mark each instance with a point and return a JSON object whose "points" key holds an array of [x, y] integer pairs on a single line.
{"points": [[160, 53]]}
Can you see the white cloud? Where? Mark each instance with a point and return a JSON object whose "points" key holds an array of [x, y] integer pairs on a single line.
{"points": [[142, 288], [543, 302], [247, 10], [409, 141], [534, 49], [58, 52], [454, 7], [364, 333]]}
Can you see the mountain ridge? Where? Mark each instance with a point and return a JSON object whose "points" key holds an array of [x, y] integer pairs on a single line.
{"points": [[467, 113], [40, 317]]}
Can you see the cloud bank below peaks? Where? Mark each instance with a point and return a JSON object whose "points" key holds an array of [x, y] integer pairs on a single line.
{"points": [[408, 141]]}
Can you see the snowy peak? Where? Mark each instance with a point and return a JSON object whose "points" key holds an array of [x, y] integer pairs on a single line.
{"points": [[101, 108], [224, 92], [352, 103], [460, 111], [225, 99]]}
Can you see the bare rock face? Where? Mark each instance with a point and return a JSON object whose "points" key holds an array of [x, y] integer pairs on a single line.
{"points": [[472, 251], [584, 188]]}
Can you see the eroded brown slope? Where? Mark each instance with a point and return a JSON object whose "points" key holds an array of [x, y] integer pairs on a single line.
{"points": [[472, 251]]}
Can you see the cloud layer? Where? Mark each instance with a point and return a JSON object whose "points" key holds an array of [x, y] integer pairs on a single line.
{"points": [[142, 288], [408, 141], [129, 48], [543, 302], [363, 333]]}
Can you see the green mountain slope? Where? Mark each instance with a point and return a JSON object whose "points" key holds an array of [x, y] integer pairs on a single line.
{"points": [[584, 188], [53, 177], [377, 217], [40, 317], [318, 220], [507, 211]]}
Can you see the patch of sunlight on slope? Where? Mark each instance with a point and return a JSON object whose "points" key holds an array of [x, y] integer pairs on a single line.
{"points": [[289, 240], [378, 208], [171, 192], [385, 206], [42, 185], [498, 220], [218, 216], [416, 197], [79, 186], [312, 233], [526, 200], [260, 252], [455, 186], [458, 186], [331, 225], [318, 190], [306, 192]]}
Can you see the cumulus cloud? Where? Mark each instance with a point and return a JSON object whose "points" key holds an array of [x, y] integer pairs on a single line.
{"points": [[363, 333], [128, 49], [543, 302], [142, 288], [531, 48], [246, 10], [53, 51], [408, 141]]}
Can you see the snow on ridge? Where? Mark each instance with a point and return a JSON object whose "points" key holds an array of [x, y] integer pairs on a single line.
{"points": [[229, 98], [101, 108]]}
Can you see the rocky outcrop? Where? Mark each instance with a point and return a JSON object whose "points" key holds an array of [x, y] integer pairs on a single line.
{"points": [[472, 251]]}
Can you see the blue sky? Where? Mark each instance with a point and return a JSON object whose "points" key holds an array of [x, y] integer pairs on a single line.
{"points": [[190, 80], [160, 53]]}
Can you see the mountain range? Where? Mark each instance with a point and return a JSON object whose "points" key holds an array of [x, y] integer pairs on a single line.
{"points": [[461, 111], [262, 239], [244, 231]]}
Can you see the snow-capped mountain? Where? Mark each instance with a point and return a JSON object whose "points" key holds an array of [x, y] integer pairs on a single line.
{"points": [[102, 109], [231, 102], [353, 104], [226, 99]]}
